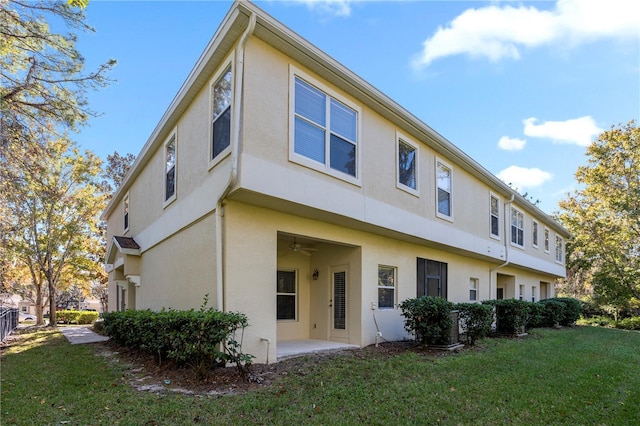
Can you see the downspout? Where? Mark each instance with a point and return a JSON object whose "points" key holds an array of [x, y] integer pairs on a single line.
{"points": [[235, 145], [506, 246]]}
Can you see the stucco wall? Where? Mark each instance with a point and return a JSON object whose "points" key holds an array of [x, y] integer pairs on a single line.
{"points": [[180, 271], [266, 141]]}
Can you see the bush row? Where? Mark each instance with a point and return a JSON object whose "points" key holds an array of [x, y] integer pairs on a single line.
{"points": [[203, 339], [77, 317], [429, 318]]}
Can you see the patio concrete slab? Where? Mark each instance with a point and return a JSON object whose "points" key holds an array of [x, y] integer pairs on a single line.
{"points": [[81, 334], [292, 348]]}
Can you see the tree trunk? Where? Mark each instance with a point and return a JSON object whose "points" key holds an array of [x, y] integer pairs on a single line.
{"points": [[39, 315], [52, 305]]}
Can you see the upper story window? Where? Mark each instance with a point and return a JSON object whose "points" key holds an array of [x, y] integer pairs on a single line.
{"points": [[495, 216], [125, 210], [559, 250], [170, 170], [386, 286], [221, 114], [407, 165], [517, 227], [534, 233], [324, 130], [546, 240], [443, 182]]}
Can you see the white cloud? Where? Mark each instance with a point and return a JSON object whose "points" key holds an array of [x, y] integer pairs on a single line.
{"points": [[511, 144], [579, 131], [523, 178], [497, 32], [333, 7]]}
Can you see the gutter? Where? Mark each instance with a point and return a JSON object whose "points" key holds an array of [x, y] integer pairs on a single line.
{"points": [[506, 246], [235, 146]]}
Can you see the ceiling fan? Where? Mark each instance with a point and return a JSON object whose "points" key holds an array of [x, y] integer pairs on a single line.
{"points": [[298, 248]]}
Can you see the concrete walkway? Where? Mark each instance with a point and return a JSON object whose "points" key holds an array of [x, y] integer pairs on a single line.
{"points": [[291, 348], [80, 334]]}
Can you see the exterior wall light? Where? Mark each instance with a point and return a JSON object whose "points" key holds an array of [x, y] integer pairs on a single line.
{"points": [[316, 274]]}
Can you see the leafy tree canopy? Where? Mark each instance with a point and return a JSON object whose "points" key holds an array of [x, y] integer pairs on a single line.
{"points": [[42, 77], [604, 218]]}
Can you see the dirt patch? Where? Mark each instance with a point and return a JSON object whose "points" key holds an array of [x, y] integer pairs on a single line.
{"points": [[143, 372]]}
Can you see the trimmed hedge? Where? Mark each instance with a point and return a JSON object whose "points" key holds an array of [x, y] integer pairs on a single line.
{"points": [[204, 339], [476, 320], [428, 318], [77, 317], [512, 315]]}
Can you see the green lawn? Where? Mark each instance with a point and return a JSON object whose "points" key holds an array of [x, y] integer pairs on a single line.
{"points": [[576, 376]]}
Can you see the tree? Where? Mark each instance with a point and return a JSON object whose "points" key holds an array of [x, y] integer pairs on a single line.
{"points": [[52, 195], [41, 72], [604, 218]]}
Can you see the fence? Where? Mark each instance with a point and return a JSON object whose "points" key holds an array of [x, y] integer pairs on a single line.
{"points": [[8, 321]]}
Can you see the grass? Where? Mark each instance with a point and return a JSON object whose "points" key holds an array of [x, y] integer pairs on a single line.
{"points": [[577, 376]]}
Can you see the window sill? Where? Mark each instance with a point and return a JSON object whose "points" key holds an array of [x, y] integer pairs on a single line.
{"points": [[408, 189], [169, 201], [324, 169], [223, 154], [444, 217]]}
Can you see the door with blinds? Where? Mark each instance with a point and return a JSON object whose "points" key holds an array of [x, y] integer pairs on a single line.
{"points": [[339, 304]]}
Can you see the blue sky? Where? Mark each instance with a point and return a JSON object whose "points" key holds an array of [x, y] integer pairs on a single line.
{"points": [[522, 87]]}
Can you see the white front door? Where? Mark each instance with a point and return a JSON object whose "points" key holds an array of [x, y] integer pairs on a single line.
{"points": [[338, 304]]}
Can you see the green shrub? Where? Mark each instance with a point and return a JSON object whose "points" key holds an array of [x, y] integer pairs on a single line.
{"points": [[632, 323], [428, 318], [476, 320], [572, 310], [204, 338], [511, 315], [554, 312], [77, 317], [536, 316], [598, 321]]}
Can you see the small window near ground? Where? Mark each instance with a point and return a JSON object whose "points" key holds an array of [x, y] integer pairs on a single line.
{"points": [[534, 289], [521, 292], [286, 295], [386, 286], [473, 289]]}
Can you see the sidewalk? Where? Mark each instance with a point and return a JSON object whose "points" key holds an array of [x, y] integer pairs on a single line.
{"points": [[81, 334]]}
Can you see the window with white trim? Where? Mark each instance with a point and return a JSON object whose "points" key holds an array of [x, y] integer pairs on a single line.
{"points": [[517, 227], [521, 292], [386, 286], [546, 240], [170, 170], [287, 295], [473, 289], [407, 165], [221, 114], [534, 290], [325, 130], [559, 250], [534, 234], [494, 213], [443, 183], [125, 212]]}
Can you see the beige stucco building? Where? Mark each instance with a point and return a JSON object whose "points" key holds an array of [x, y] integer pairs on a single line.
{"points": [[284, 186]]}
